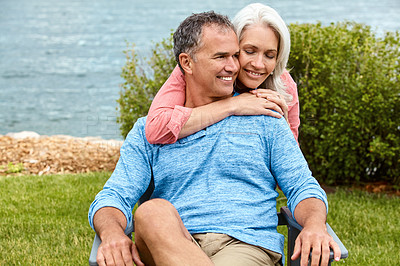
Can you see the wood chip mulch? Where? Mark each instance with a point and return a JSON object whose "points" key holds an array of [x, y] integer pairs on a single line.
{"points": [[56, 154]]}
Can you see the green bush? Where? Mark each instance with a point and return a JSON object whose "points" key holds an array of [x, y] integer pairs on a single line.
{"points": [[349, 90], [142, 83]]}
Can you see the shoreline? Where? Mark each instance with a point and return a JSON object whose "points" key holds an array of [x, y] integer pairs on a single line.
{"points": [[34, 135]]}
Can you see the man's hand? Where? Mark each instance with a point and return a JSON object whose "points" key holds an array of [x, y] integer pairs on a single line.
{"points": [[311, 214], [316, 239], [116, 248]]}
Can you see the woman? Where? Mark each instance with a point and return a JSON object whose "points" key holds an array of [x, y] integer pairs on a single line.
{"points": [[265, 85]]}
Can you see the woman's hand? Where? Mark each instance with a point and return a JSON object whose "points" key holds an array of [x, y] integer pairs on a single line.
{"points": [[262, 102], [275, 98]]}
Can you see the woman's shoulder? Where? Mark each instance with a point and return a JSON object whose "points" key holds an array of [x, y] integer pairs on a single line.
{"points": [[288, 81]]}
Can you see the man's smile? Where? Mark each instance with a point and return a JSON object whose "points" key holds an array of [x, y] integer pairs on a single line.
{"points": [[229, 78]]}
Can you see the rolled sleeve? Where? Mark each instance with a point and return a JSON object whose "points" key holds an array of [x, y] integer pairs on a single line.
{"points": [[309, 190], [179, 117]]}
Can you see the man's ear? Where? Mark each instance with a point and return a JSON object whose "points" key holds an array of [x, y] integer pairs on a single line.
{"points": [[186, 62]]}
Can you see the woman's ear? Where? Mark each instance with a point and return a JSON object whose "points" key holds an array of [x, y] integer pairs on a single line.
{"points": [[186, 63]]}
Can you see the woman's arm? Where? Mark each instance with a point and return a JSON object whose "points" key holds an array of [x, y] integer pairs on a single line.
{"points": [[243, 104], [168, 120], [167, 115]]}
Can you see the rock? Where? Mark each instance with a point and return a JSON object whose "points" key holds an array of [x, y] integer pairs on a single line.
{"points": [[23, 135]]}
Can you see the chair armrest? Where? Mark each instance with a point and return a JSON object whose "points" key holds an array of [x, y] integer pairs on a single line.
{"points": [[343, 250], [97, 241], [93, 252], [286, 217]]}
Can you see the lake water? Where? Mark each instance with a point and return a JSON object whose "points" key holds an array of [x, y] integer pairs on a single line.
{"points": [[60, 61]]}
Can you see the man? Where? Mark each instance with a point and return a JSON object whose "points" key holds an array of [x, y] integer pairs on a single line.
{"points": [[214, 197]]}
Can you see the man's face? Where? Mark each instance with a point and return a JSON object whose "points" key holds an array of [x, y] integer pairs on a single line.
{"points": [[216, 64]]}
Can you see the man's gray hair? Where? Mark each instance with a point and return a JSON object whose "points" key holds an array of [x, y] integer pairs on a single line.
{"points": [[187, 37]]}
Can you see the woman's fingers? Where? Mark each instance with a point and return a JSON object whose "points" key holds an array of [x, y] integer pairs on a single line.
{"points": [[273, 106], [273, 96]]}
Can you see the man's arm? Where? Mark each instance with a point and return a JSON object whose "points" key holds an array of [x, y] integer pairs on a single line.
{"points": [[111, 210], [306, 199], [116, 248], [311, 214]]}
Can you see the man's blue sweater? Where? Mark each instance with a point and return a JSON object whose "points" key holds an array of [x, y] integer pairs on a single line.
{"points": [[221, 179]]}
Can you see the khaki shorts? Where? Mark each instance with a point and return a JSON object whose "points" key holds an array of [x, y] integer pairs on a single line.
{"points": [[225, 250]]}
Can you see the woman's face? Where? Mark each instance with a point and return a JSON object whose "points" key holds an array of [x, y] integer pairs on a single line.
{"points": [[258, 53]]}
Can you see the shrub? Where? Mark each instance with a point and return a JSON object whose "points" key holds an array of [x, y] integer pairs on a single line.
{"points": [[349, 91], [142, 83]]}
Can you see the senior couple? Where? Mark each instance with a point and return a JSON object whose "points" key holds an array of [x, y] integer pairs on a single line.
{"points": [[229, 114]]}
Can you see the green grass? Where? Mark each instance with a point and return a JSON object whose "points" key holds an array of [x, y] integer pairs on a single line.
{"points": [[43, 221], [368, 225]]}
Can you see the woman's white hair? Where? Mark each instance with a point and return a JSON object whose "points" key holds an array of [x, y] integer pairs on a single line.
{"points": [[261, 14]]}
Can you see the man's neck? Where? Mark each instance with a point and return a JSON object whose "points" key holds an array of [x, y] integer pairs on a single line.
{"points": [[240, 87]]}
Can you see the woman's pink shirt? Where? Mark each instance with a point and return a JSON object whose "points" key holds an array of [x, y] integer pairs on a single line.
{"points": [[167, 114]]}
